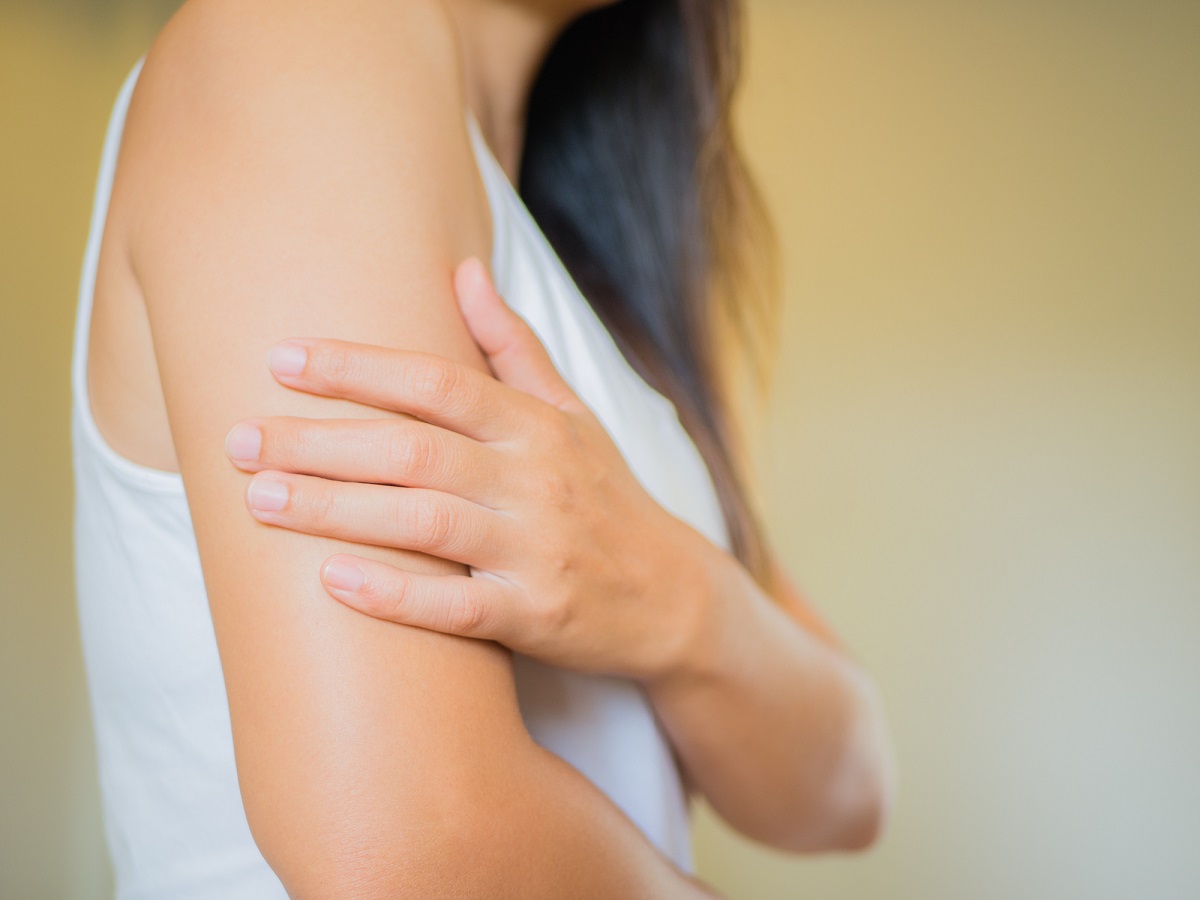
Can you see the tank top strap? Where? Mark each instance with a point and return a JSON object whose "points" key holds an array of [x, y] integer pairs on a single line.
{"points": [[104, 185]]}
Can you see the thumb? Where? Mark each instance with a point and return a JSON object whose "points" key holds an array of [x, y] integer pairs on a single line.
{"points": [[512, 348]]}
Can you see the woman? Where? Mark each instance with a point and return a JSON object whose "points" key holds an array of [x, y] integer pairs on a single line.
{"points": [[296, 183]]}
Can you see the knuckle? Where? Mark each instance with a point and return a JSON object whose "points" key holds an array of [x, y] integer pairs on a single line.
{"points": [[559, 431], [412, 453], [551, 617], [338, 365], [409, 452], [558, 489], [316, 506], [429, 521], [466, 613], [392, 601], [559, 558], [289, 444], [436, 382], [554, 485]]}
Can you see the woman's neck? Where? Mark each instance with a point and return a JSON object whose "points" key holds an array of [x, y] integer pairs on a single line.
{"points": [[503, 44]]}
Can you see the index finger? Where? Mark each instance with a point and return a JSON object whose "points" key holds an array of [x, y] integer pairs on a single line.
{"points": [[433, 388]]}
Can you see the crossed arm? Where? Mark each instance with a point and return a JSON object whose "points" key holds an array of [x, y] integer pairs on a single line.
{"points": [[374, 760], [377, 759], [514, 476]]}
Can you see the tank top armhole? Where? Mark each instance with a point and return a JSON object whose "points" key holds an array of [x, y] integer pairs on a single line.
{"points": [[160, 479], [86, 429], [489, 171]]}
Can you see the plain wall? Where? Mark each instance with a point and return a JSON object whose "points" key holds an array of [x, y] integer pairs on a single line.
{"points": [[981, 457]]}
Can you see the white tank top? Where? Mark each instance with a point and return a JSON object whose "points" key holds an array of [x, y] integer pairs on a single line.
{"points": [[173, 813]]}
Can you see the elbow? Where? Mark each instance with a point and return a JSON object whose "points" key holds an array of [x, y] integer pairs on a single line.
{"points": [[853, 818], [867, 819], [863, 792], [852, 808]]}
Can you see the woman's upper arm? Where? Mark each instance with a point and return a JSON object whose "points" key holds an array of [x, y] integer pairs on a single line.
{"points": [[304, 169]]}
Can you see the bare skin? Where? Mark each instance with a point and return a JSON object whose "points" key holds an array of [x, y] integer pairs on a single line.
{"points": [[515, 477], [362, 776]]}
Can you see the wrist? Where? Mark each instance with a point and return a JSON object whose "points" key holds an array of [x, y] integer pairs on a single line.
{"points": [[694, 637]]}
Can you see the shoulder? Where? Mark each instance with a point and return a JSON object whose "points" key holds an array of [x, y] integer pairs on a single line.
{"points": [[297, 167], [264, 94], [241, 57], [226, 42]]}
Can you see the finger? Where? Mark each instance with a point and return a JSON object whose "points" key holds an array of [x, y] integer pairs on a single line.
{"points": [[453, 604], [430, 387], [429, 522], [512, 348], [404, 452]]}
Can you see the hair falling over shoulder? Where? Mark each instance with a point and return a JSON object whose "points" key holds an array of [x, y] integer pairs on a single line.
{"points": [[633, 171]]}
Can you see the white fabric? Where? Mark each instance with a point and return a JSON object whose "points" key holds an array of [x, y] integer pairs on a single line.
{"points": [[173, 814]]}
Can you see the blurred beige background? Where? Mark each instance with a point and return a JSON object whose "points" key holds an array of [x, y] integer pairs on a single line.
{"points": [[982, 457]]}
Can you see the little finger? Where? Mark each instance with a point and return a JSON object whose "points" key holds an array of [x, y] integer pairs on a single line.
{"points": [[452, 604]]}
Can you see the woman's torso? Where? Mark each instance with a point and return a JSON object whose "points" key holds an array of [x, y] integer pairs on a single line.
{"points": [[173, 812]]}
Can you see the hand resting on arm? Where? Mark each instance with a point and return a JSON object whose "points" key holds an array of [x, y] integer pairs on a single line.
{"points": [[302, 168], [575, 564]]}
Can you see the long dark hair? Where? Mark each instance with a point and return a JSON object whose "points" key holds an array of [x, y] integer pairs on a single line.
{"points": [[632, 170]]}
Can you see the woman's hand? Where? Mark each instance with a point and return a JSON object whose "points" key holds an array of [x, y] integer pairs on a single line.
{"points": [[572, 561]]}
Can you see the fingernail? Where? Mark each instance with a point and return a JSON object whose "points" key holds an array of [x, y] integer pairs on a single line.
{"points": [[243, 443], [344, 577], [287, 359], [267, 495]]}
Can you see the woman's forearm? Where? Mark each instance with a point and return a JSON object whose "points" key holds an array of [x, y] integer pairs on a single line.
{"points": [[781, 730], [527, 826]]}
